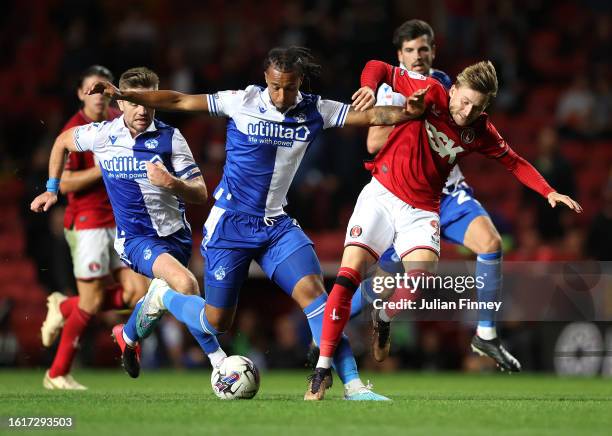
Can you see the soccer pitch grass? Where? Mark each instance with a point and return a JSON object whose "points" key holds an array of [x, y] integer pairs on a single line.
{"points": [[182, 403]]}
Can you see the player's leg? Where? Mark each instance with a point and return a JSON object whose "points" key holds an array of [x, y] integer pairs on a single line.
{"points": [[133, 287], [91, 262], [483, 239], [418, 242], [369, 233], [465, 222], [389, 264], [417, 263]]}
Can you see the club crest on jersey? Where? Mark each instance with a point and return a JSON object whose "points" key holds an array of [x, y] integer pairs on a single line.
{"points": [[94, 267], [356, 231], [151, 143], [220, 273], [468, 135], [442, 144], [147, 253], [300, 118]]}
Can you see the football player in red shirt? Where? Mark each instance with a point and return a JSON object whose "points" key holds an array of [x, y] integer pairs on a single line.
{"points": [[89, 228], [400, 206]]}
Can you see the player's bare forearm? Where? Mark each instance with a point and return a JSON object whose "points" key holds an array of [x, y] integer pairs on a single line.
{"points": [[63, 144], [377, 137], [192, 190], [167, 100], [378, 116], [75, 181]]}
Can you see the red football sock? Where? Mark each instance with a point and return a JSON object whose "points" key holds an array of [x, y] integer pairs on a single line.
{"points": [[338, 309], [113, 298], [406, 293], [67, 306], [75, 325]]}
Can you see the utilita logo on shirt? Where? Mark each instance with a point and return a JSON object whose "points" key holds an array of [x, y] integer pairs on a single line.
{"points": [[127, 167], [276, 134]]}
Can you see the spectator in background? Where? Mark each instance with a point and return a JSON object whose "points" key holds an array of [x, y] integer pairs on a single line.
{"points": [[575, 109], [558, 171]]}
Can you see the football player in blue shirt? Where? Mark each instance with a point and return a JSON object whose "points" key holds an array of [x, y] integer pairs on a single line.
{"points": [[149, 172]]}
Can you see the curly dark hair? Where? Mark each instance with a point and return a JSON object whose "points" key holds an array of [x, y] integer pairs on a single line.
{"points": [[288, 59]]}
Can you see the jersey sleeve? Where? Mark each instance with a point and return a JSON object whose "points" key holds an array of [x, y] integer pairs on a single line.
{"points": [[87, 136], [332, 112], [386, 97], [184, 165], [225, 103], [492, 145]]}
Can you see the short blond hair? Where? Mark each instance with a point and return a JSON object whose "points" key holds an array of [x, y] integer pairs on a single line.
{"points": [[480, 77]]}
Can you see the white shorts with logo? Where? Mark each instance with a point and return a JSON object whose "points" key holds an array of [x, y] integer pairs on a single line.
{"points": [[381, 219], [93, 252]]}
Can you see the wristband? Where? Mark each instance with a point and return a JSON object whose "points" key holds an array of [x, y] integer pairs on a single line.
{"points": [[53, 185]]}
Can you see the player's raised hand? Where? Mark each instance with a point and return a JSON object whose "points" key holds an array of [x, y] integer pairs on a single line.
{"points": [[158, 175], [415, 104], [105, 88], [43, 202], [363, 98], [555, 197]]}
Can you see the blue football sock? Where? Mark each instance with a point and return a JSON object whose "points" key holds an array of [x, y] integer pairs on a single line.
{"points": [[189, 309], [488, 267], [344, 361], [357, 303], [129, 329]]}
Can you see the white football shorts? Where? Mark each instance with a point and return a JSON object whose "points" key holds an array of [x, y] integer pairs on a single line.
{"points": [[380, 220], [93, 252]]}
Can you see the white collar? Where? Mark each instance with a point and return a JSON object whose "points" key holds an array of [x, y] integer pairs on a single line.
{"points": [[268, 100], [403, 67]]}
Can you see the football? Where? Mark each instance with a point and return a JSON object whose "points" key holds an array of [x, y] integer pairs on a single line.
{"points": [[237, 378]]}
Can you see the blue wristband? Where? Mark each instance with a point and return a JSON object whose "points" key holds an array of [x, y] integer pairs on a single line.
{"points": [[53, 185]]}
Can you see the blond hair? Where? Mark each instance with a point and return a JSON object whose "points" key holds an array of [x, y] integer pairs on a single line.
{"points": [[480, 77]]}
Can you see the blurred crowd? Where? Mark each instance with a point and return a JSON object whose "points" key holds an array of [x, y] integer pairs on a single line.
{"points": [[554, 107]]}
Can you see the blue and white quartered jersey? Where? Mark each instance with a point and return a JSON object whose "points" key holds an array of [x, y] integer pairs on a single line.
{"points": [[265, 147], [140, 208], [386, 97]]}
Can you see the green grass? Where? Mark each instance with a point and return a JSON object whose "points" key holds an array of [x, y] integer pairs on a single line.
{"points": [[181, 403]]}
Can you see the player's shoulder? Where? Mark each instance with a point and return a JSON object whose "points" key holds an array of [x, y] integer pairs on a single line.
{"points": [[160, 125]]}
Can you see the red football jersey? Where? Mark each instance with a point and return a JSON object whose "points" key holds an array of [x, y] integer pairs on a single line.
{"points": [[89, 208], [420, 154]]}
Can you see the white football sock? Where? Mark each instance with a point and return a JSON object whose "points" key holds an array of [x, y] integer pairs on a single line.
{"points": [[486, 333], [324, 362], [217, 357]]}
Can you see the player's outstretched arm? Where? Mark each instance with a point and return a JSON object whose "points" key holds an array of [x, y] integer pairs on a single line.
{"points": [[63, 143], [162, 100], [192, 190]]}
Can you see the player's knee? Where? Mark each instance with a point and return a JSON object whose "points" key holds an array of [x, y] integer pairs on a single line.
{"points": [[491, 242], [186, 284]]}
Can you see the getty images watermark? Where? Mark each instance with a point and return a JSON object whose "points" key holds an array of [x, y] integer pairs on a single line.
{"points": [[524, 291], [409, 284]]}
